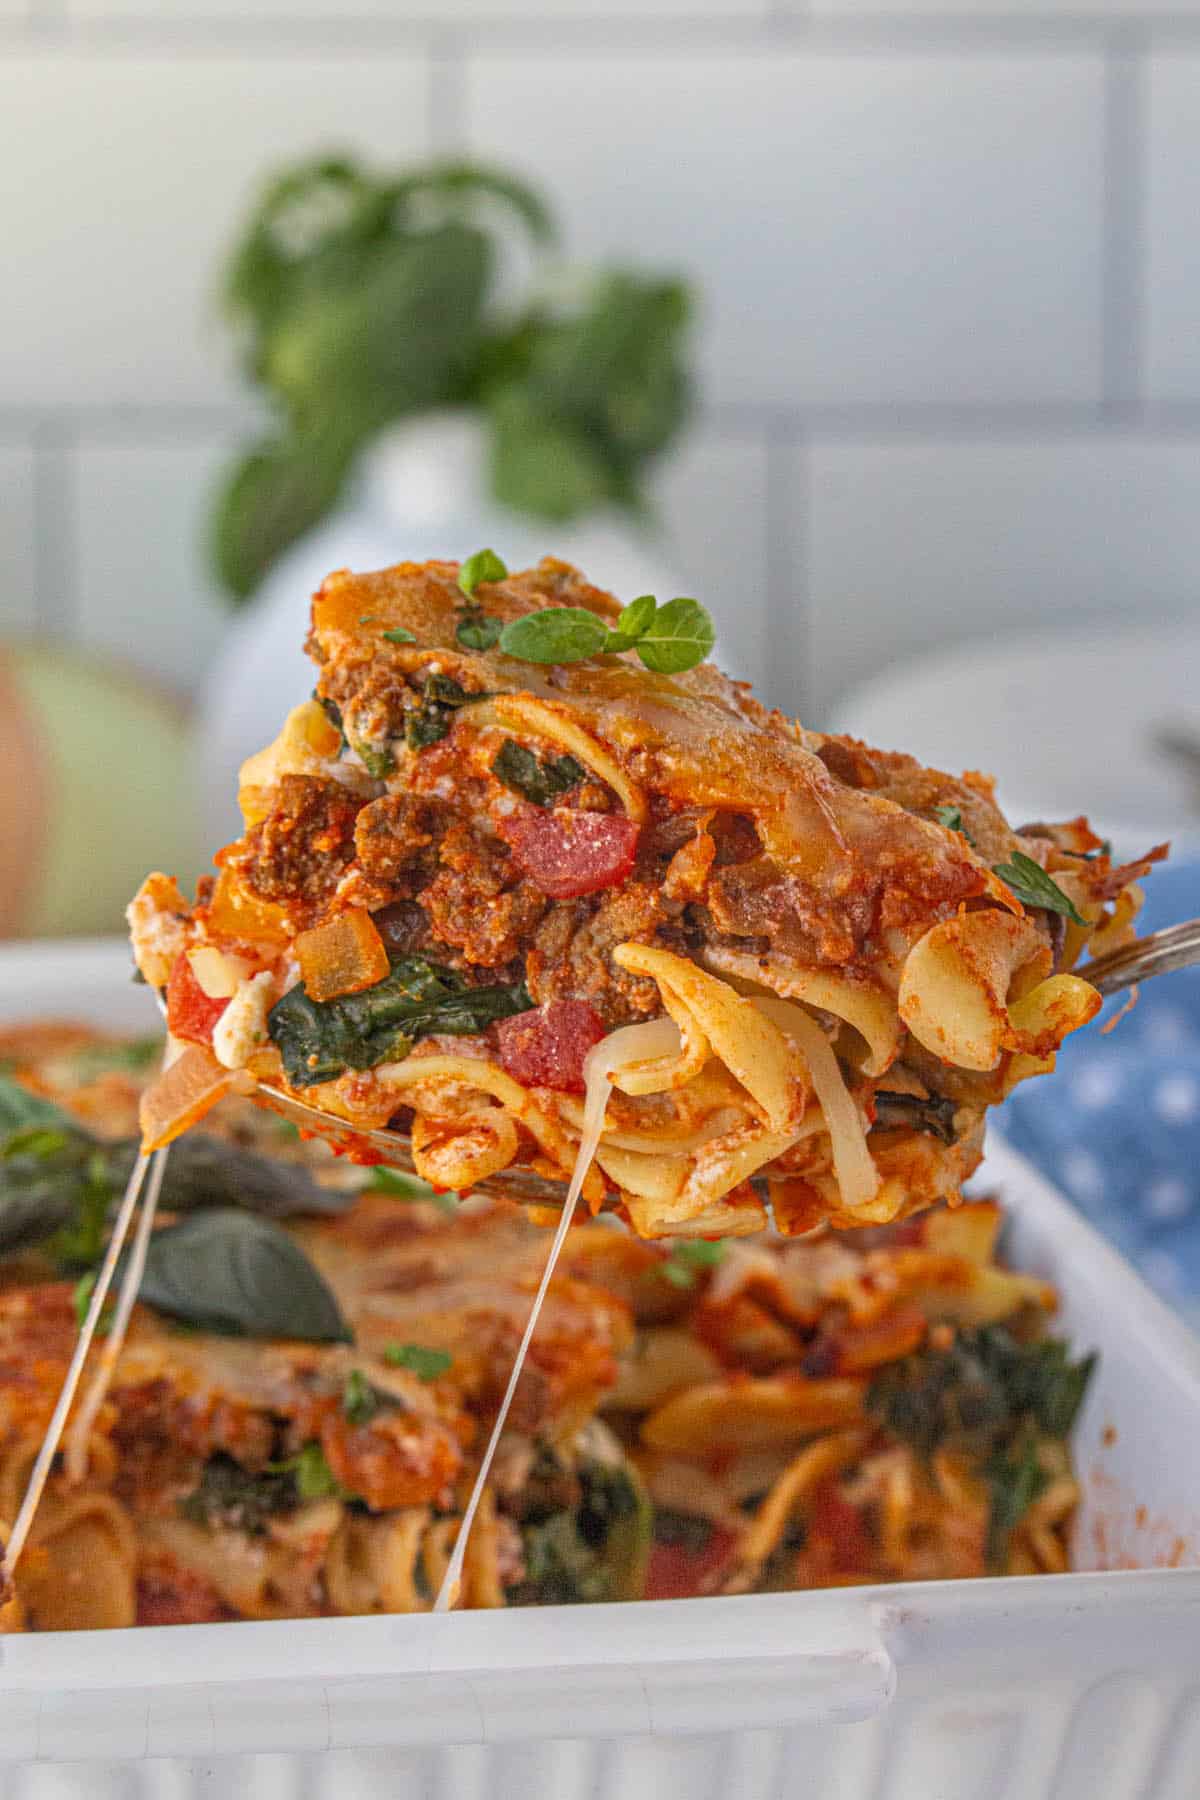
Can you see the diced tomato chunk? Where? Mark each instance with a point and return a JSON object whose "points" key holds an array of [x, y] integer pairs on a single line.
{"points": [[547, 1047], [677, 1572], [190, 1012], [837, 1526], [568, 854]]}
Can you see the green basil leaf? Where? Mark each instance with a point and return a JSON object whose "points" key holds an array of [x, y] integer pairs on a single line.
{"points": [[951, 817], [632, 623], [239, 1276], [688, 1258], [398, 635], [541, 782], [314, 1478], [419, 1359], [485, 565], [1033, 887], [477, 630], [680, 635], [557, 634], [203, 1172]]}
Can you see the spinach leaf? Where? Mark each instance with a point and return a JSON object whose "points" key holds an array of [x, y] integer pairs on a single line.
{"points": [[934, 1114], [429, 722], [319, 1040], [230, 1273], [1015, 1478], [597, 1551], [541, 782], [240, 1499]]}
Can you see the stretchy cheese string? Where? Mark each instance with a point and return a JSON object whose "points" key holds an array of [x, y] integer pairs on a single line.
{"points": [[45, 1457], [81, 1425], [629, 1044]]}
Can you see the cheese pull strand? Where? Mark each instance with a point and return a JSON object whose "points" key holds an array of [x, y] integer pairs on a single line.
{"points": [[23, 1523], [80, 1431], [630, 1044]]}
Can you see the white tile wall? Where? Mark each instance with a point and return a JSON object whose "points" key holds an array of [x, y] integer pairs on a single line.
{"points": [[712, 502], [133, 169], [1172, 240], [947, 249], [869, 229], [144, 593], [18, 606], [915, 545]]}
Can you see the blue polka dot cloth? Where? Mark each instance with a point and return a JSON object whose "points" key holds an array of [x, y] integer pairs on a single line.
{"points": [[1117, 1127]]}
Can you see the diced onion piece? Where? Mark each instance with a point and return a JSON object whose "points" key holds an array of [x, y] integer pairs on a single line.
{"points": [[858, 1178], [233, 913], [181, 1096], [217, 973], [343, 956]]}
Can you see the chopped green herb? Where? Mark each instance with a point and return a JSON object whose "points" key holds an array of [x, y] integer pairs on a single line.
{"points": [[369, 619], [485, 565], [419, 1359], [1032, 886], [320, 1039], [360, 1402], [376, 760], [398, 635], [541, 782], [951, 817], [313, 1476], [690, 1257], [478, 630]]}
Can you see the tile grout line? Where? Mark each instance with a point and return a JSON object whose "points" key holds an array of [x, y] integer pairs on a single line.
{"points": [[1123, 271]]}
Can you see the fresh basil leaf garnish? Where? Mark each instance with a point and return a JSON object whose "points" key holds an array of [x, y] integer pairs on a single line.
{"points": [[633, 622], [478, 630], [239, 1276], [680, 635], [319, 1039], [398, 635], [541, 782], [1031, 885], [556, 634], [485, 565]]}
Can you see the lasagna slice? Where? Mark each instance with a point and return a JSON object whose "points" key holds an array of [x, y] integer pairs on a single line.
{"points": [[229, 1478], [470, 879]]}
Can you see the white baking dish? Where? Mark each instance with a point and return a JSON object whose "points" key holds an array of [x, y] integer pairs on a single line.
{"points": [[1084, 1687]]}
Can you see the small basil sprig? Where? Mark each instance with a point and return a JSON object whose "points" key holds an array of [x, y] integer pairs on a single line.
{"points": [[230, 1273], [668, 639], [485, 565], [1031, 885], [951, 817]]}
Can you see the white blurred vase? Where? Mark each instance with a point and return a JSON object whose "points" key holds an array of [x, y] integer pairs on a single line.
{"points": [[420, 492]]}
